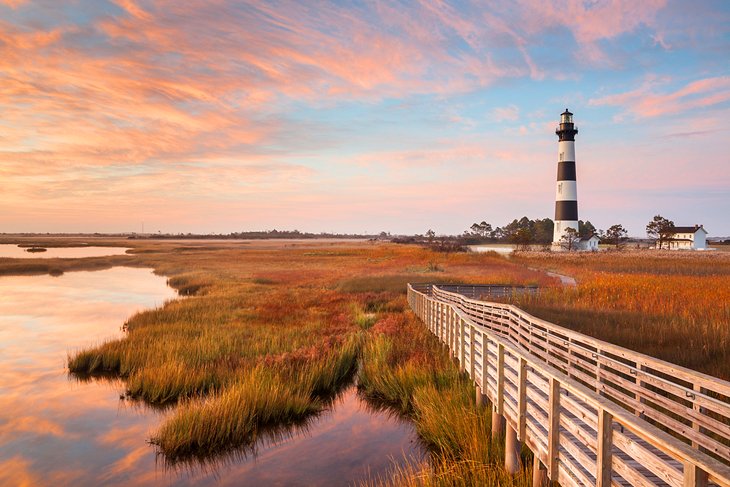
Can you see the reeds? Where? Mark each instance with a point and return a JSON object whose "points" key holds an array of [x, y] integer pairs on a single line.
{"points": [[260, 397], [671, 305], [406, 368]]}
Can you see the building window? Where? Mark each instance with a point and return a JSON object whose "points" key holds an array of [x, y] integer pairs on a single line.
{"points": [[562, 154]]}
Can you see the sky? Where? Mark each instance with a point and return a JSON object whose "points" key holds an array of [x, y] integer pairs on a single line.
{"points": [[368, 116]]}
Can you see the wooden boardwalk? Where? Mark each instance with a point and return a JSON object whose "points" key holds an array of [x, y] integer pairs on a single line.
{"points": [[592, 413]]}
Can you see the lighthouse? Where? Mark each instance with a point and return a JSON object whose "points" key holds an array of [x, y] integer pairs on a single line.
{"points": [[566, 192]]}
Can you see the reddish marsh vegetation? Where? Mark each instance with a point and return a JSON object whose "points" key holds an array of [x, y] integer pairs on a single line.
{"points": [[267, 333]]}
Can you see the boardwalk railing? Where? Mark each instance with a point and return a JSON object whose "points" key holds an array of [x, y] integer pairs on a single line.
{"points": [[592, 413]]}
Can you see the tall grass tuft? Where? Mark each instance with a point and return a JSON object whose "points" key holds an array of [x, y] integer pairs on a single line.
{"points": [[261, 397], [406, 368]]}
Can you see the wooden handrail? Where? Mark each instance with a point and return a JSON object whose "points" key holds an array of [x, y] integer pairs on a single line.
{"points": [[592, 412]]}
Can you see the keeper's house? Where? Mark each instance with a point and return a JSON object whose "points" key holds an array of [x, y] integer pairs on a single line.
{"points": [[688, 238]]}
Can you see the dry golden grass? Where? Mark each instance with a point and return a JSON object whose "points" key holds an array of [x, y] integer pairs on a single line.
{"points": [[254, 342], [405, 367], [266, 330], [672, 305]]}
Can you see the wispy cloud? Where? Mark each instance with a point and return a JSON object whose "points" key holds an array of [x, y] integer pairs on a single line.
{"points": [[509, 113], [647, 101], [146, 103]]}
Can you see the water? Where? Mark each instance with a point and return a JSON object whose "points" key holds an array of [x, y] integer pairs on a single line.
{"points": [[500, 249], [55, 430], [15, 252]]}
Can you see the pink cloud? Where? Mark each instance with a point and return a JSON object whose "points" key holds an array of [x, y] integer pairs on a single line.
{"points": [[191, 81], [12, 3], [646, 102], [589, 22], [509, 113], [133, 9]]}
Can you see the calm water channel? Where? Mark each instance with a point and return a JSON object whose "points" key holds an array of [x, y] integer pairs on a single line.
{"points": [[55, 430], [12, 250]]}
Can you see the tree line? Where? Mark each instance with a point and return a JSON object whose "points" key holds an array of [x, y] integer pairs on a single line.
{"points": [[526, 232]]}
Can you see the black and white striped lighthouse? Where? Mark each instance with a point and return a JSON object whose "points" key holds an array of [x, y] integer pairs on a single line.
{"points": [[566, 193]]}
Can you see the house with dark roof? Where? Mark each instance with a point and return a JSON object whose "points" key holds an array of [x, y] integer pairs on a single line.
{"points": [[687, 238]]}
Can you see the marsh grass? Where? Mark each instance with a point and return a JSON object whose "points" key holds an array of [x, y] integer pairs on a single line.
{"points": [[259, 398], [267, 333], [407, 369], [671, 305]]}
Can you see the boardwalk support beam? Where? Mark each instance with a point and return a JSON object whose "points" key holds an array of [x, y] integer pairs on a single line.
{"points": [[512, 448], [481, 399], [539, 473]]}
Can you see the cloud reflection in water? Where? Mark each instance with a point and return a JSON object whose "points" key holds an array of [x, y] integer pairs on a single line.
{"points": [[59, 430]]}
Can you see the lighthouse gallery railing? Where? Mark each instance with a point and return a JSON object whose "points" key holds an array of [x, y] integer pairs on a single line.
{"points": [[593, 413]]}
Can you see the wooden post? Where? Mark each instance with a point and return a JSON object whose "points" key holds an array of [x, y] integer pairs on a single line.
{"points": [[700, 410], [553, 429], [484, 379], [427, 318], [481, 399], [522, 399], [642, 385], [500, 379], [472, 353], [444, 310], [605, 444], [442, 320], [454, 334], [512, 450], [462, 346], [435, 318], [498, 422], [598, 373], [539, 473], [694, 476], [450, 330]]}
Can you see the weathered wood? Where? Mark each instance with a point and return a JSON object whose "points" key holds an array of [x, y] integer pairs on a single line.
{"points": [[462, 345], [539, 474], [522, 399], [553, 429], [694, 476], [481, 399], [581, 463], [605, 445], [512, 452], [536, 374], [649, 459], [500, 379], [691, 376], [472, 353]]}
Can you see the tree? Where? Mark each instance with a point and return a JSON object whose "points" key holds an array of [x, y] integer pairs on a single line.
{"points": [[543, 231], [661, 230], [569, 240], [616, 235], [430, 235], [522, 239], [497, 234], [482, 229], [586, 230]]}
